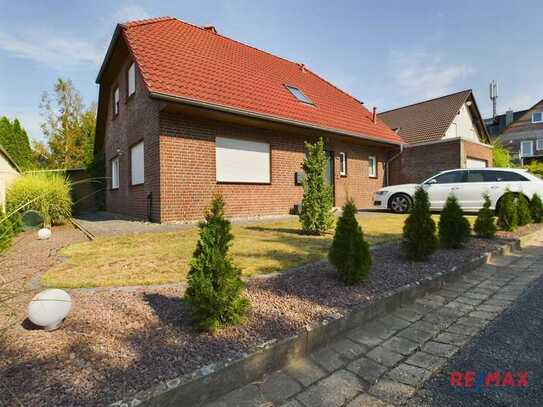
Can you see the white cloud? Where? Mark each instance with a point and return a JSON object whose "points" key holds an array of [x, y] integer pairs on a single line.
{"points": [[54, 51], [420, 74], [130, 13]]}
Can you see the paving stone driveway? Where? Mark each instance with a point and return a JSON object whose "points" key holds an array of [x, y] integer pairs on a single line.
{"points": [[384, 362]]}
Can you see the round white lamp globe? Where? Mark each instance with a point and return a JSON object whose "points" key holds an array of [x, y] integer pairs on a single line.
{"points": [[44, 234], [49, 308]]}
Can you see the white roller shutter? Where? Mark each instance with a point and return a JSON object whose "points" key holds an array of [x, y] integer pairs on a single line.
{"points": [[474, 163], [242, 161], [137, 164]]}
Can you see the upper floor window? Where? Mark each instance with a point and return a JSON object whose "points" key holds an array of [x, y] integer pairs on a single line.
{"points": [[526, 148], [537, 117], [539, 144], [298, 94], [137, 164], [343, 164], [372, 166], [116, 101], [131, 80]]}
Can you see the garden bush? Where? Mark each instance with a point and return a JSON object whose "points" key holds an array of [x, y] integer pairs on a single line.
{"points": [[350, 253], [419, 231], [45, 192], [316, 214], [536, 209], [507, 212], [454, 228], [523, 208], [214, 292], [485, 225], [6, 231]]}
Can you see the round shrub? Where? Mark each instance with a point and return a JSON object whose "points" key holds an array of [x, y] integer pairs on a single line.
{"points": [[350, 253], [45, 192], [454, 228], [485, 225], [419, 231], [507, 212], [523, 210], [536, 209]]}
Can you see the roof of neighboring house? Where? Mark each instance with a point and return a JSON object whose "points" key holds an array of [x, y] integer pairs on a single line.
{"points": [[186, 63], [429, 120], [495, 126], [8, 157]]}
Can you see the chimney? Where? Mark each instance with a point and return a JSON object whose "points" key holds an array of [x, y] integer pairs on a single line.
{"points": [[302, 67], [210, 28], [509, 117], [374, 116]]}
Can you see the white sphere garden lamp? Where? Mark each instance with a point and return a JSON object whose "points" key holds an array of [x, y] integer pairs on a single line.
{"points": [[49, 308]]}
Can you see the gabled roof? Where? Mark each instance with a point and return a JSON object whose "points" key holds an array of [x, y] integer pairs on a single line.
{"points": [[9, 158], [185, 63], [429, 120], [495, 126]]}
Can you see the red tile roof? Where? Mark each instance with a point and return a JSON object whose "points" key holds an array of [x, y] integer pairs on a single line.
{"points": [[181, 60]]}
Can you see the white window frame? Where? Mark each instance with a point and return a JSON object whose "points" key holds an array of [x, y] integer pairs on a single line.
{"points": [[539, 144], [115, 173], [131, 80], [372, 166], [116, 101], [537, 121], [343, 164], [525, 142], [242, 161], [137, 163]]}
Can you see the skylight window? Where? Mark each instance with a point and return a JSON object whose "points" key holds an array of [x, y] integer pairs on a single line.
{"points": [[298, 94]]}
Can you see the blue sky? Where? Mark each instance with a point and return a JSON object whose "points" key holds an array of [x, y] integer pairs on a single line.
{"points": [[385, 53]]}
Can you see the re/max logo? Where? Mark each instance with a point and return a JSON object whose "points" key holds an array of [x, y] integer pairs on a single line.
{"points": [[471, 380]]}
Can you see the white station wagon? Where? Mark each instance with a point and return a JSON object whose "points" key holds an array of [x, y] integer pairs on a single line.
{"points": [[468, 185]]}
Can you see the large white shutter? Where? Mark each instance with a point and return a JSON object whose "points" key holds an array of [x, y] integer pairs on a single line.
{"points": [[137, 163], [242, 161]]}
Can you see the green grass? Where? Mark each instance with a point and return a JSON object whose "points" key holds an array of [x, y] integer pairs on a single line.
{"points": [[162, 258]]}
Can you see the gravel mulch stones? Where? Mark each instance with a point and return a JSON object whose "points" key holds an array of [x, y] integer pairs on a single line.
{"points": [[115, 343], [521, 231]]}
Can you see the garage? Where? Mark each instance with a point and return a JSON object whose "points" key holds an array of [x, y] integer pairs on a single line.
{"points": [[475, 163]]}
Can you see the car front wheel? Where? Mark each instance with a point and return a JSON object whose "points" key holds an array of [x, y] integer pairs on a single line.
{"points": [[400, 203]]}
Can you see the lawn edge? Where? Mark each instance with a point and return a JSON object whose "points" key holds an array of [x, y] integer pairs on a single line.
{"points": [[212, 381]]}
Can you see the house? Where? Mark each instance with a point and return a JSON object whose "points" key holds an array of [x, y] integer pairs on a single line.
{"points": [[520, 132], [9, 171], [441, 134], [185, 112]]}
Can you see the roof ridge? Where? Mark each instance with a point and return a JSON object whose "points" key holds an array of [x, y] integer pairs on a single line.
{"points": [[137, 23], [425, 101]]}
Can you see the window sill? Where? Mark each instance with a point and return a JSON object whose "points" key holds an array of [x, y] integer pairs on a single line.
{"points": [[114, 189], [137, 185], [242, 183]]}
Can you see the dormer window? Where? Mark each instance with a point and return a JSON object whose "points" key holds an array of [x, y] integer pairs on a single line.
{"points": [[537, 117], [116, 101], [131, 80], [298, 94]]}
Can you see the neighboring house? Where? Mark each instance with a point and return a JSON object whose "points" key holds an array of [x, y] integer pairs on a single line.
{"points": [[9, 171], [520, 132], [443, 133], [185, 112]]}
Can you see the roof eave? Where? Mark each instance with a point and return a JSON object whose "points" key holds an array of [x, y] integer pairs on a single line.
{"points": [[256, 115], [109, 52], [10, 159]]}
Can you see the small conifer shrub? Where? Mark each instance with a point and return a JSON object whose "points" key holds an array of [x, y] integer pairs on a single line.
{"points": [[454, 228], [215, 288], [350, 253], [419, 231], [507, 212], [536, 209], [523, 208], [485, 225]]}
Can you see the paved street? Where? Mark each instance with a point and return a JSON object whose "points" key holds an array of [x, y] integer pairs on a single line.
{"points": [[486, 321]]}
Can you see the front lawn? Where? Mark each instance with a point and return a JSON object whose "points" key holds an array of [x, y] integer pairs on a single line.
{"points": [[162, 258]]}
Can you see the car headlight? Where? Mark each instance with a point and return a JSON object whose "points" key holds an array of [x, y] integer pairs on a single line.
{"points": [[381, 192]]}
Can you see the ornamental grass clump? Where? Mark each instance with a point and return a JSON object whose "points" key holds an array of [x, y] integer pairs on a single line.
{"points": [[6, 231], [215, 289], [454, 228], [419, 231], [523, 210], [507, 212], [536, 209], [316, 214], [350, 253], [45, 192], [485, 224]]}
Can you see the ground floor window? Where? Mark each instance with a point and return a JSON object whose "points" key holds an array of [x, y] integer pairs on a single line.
{"points": [[343, 164], [526, 148], [372, 166], [115, 173], [242, 161], [137, 164]]}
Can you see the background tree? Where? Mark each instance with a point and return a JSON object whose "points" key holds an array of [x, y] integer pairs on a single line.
{"points": [[14, 139], [454, 228], [69, 128], [501, 156], [507, 212], [523, 208], [215, 288], [350, 253], [316, 214], [536, 209], [485, 225], [419, 231]]}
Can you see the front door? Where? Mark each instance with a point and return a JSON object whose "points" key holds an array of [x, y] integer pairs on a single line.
{"points": [[330, 173]]}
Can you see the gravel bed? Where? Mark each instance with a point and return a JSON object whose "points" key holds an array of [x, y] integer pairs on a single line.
{"points": [[521, 231], [114, 344]]}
